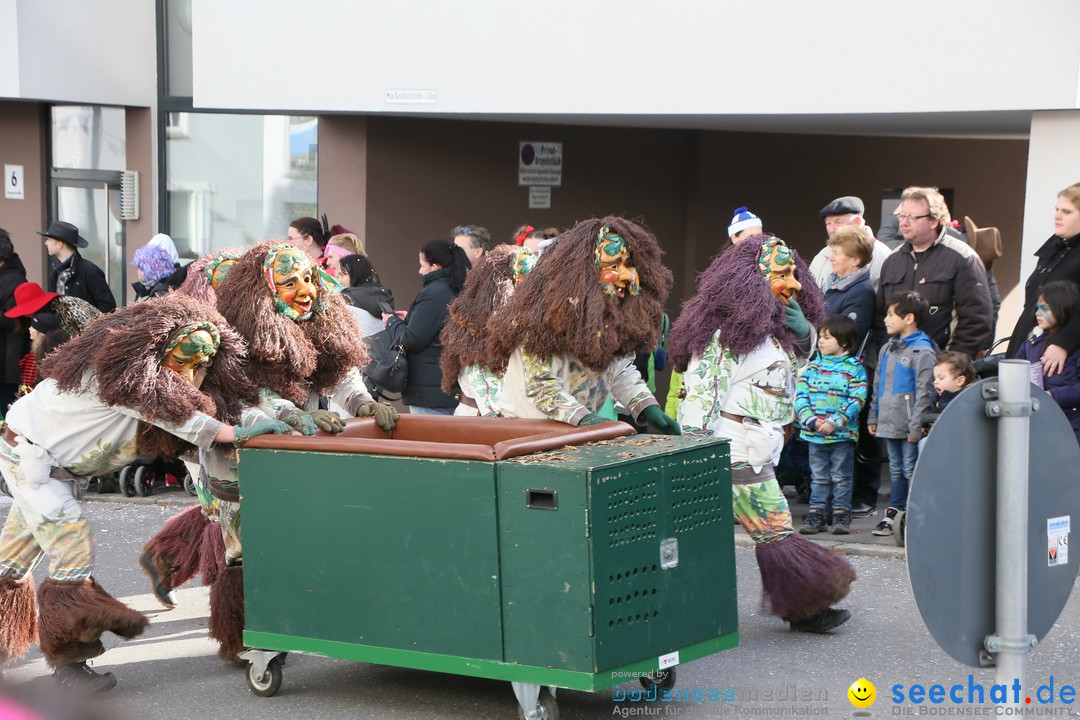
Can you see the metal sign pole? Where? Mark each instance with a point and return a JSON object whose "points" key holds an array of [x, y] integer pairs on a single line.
{"points": [[1011, 571]]}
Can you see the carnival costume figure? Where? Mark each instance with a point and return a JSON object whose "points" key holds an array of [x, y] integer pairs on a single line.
{"points": [[740, 340], [569, 334], [145, 379], [466, 364], [303, 345]]}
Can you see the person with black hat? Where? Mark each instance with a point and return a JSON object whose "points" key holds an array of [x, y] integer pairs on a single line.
{"points": [[843, 211], [14, 341], [72, 274]]}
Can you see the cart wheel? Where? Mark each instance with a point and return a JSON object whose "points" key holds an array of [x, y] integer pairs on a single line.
{"points": [[546, 709], [269, 682], [144, 480], [900, 535], [661, 679], [127, 485]]}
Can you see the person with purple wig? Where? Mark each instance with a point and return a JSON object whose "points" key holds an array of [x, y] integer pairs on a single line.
{"points": [[739, 341]]}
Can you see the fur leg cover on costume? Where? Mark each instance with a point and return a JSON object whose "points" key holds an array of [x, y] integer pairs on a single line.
{"points": [[227, 612], [18, 617], [801, 578], [75, 613], [212, 561], [177, 548]]}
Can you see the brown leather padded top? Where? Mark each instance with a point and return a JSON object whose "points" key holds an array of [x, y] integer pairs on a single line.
{"points": [[445, 436]]}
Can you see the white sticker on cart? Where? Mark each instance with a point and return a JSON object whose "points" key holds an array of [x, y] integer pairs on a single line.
{"points": [[669, 660], [1057, 541]]}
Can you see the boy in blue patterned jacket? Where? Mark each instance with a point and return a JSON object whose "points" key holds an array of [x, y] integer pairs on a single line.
{"points": [[828, 398]]}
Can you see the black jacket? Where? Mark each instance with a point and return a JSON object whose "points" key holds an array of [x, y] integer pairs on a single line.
{"points": [[419, 333], [953, 280], [1058, 260], [87, 282], [14, 339], [369, 296]]}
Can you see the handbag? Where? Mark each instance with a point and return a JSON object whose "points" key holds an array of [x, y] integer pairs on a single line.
{"points": [[388, 368]]}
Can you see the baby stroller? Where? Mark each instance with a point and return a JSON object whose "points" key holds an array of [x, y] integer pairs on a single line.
{"points": [[148, 472]]}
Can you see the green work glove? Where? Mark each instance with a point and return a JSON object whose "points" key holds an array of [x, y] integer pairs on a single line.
{"points": [[327, 421], [795, 320], [260, 427], [590, 419], [302, 423], [657, 420], [385, 415]]}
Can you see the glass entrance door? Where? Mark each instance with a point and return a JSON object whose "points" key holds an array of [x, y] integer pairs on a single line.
{"points": [[92, 203]]}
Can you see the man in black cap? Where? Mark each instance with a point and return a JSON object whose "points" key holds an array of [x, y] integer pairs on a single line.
{"points": [[72, 274], [842, 211]]}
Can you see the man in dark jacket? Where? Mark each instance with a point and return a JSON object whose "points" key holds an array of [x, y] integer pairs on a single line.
{"points": [[14, 340], [941, 268], [72, 274]]}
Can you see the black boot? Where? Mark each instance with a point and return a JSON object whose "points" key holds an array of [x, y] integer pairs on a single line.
{"points": [[823, 622], [81, 678]]}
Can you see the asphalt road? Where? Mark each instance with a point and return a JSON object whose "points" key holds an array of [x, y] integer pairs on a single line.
{"points": [[172, 670]]}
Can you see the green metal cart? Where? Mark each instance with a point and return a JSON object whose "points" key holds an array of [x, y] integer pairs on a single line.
{"points": [[527, 551]]}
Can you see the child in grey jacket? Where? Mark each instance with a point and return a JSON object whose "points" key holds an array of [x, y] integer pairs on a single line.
{"points": [[903, 386]]}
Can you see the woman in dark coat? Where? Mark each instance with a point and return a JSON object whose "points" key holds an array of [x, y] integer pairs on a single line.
{"points": [[848, 289], [1059, 259], [442, 269]]}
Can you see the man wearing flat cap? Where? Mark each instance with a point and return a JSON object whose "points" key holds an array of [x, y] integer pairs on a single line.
{"points": [[842, 211], [72, 274]]}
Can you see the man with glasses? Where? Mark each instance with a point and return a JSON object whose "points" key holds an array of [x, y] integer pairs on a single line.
{"points": [[474, 240], [941, 268]]}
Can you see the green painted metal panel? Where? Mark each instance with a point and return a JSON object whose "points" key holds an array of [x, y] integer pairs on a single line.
{"points": [[372, 550], [584, 587]]}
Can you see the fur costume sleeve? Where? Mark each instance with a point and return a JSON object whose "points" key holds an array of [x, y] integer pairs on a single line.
{"points": [[351, 392], [200, 429], [628, 388], [706, 381]]}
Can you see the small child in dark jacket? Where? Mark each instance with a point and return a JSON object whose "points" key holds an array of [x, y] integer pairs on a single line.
{"points": [[953, 372], [902, 388], [828, 399], [1058, 301]]}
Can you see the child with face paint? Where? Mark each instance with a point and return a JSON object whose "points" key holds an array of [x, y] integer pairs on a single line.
{"points": [[1058, 302], [740, 340], [466, 364], [144, 379], [569, 335]]}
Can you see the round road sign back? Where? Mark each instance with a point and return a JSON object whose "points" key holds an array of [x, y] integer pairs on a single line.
{"points": [[951, 522]]}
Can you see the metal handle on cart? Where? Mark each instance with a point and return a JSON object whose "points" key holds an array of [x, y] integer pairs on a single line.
{"points": [[542, 499]]}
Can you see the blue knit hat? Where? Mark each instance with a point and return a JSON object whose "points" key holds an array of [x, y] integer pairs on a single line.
{"points": [[743, 219]]}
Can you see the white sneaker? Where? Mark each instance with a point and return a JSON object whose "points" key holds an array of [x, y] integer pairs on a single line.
{"points": [[884, 528]]}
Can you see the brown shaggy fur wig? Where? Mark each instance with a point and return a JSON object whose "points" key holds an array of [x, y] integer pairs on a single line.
{"points": [[75, 614], [560, 308], [19, 612], [195, 284], [733, 295], [291, 358], [488, 286], [121, 351]]}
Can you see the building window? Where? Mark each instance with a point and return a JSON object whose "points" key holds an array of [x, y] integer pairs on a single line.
{"points": [[233, 179]]}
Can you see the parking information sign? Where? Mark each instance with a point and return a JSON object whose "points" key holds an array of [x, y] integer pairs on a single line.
{"points": [[540, 163]]}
